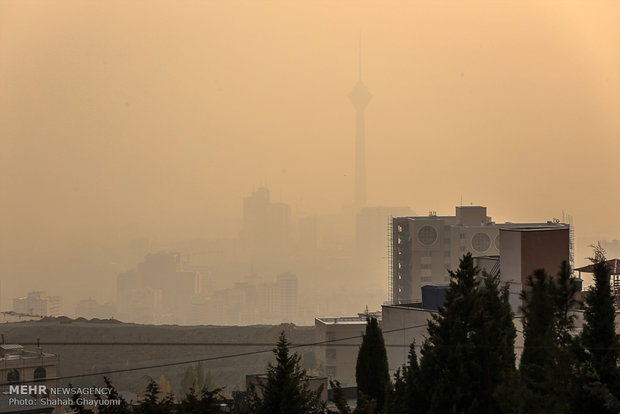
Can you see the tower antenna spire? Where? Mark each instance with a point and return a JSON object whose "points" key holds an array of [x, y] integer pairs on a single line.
{"points": [[359, 71], [360, 96]]}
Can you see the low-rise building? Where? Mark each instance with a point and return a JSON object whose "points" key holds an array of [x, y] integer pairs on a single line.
{"points": [[341, 338], [20, 366]]}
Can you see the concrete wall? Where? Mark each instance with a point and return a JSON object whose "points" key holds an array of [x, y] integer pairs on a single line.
{"points": [[338, 361], [395, 318], [543, 250]]}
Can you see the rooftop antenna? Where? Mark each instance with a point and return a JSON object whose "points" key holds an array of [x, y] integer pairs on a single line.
{"points": [[359, 70]]}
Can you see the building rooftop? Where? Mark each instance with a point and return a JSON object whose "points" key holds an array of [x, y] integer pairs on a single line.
{"points": [[413, 306], [16, 351], [347, 320], [613, 265], [532, 226]]}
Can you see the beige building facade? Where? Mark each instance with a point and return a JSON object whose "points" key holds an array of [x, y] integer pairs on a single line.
{"points": [[424, 248], [342, 336]]}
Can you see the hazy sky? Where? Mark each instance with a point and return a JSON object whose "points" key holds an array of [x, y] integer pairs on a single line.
{"points": [[165, 114]]}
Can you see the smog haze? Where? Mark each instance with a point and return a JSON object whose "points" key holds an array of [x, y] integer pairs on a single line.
{"points": [[124, 121]]}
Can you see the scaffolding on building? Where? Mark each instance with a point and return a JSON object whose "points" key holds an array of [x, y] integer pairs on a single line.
{"points": [[390, 264], [571, 238]]}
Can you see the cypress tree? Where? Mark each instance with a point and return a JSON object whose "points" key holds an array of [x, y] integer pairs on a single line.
{"points": [[548, 363], [113, 395], [539, 314], [470, 348], [154, 402], [205, 402], [555, 369], [339, 399], [492, 338], [407, 386], [447, 353], [372, 371], [285, 390], [599, 335]]}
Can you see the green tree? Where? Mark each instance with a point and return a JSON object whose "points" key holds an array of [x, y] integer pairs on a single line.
{"points": [[205, 402], [154, 402], [372, 371], [556, 370], [285, 390], [339, 399], [76, 405], [113, 395], [469, 351], [538, 359], [492, 339], [407, 386], [599, 335]]}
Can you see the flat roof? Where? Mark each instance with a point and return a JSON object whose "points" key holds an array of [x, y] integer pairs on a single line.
{"points": [[542, 227], [409, 306], [350, 320], [26, 355]]}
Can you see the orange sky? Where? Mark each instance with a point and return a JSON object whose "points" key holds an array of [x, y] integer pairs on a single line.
{"points": [[165, 114]]}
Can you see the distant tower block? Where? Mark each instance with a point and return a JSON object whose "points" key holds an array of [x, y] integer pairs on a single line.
{"points": [[360, 97]]}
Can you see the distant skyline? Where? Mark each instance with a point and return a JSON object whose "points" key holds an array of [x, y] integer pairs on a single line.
{"points": [[115, 113], [119, 120]]}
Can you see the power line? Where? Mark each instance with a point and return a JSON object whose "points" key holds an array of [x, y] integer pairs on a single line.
{"points": [[330, 342], [216, 358]]}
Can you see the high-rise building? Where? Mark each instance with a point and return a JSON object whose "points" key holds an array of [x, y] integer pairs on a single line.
{"points": [[38, 303], [423, 248], [265, 225], [160, 287]]}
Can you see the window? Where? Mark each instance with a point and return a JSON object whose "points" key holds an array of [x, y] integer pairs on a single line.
{"points": [[330, 353], [40, 373], [481, 242], [426, 278], [427, 254], [462, 236], [427, 235], [426, 266], [13, 377], [330, 371]]}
